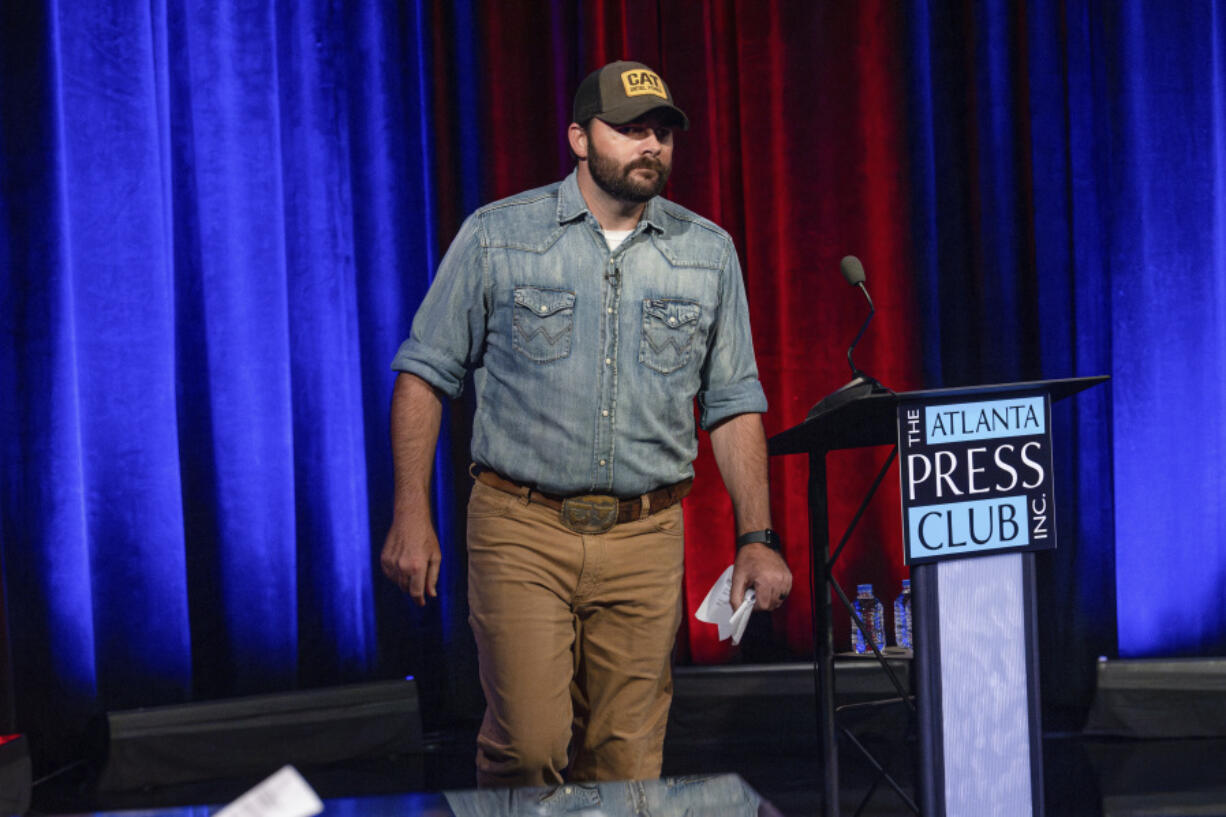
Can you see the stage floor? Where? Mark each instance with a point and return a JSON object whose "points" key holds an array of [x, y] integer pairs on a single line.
{"points": [[1083, 778], [757, 723]]}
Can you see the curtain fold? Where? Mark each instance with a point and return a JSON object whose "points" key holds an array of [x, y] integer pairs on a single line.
{"points": [[236, 400], [95, 567]]}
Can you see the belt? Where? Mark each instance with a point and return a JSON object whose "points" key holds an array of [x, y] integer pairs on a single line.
{"points": [[590, 513]]}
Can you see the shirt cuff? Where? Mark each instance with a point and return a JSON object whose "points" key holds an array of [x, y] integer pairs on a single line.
{"points": [[745, 397], [434, 368]]}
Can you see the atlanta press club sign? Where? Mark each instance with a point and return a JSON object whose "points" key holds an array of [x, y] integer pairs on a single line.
{"points": [[976, 477]]}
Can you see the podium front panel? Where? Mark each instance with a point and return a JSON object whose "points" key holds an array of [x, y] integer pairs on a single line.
{"points": [[984, 702], [977, 685]]}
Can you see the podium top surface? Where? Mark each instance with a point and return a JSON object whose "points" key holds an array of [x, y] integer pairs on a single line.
{"points": [[872, 419]]}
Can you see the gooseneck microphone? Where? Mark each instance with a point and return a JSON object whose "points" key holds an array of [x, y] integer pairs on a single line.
{"points": [[861, 385], [853, 272]]}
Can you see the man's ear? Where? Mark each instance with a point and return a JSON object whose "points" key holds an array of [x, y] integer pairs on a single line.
{"points": [[577, 137]]}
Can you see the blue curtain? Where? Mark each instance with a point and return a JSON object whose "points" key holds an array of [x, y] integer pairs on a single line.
{"points": [[215, 225], [1167, 257]]}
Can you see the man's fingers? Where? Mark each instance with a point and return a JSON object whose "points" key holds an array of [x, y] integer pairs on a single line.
{"points": [[412, 561], [387, 559], [432, 577], [737, 594], [417, 586], [766, 599], [771, 588]]}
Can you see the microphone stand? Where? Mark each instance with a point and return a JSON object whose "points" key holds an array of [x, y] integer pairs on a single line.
{"points": [[822, 561]]}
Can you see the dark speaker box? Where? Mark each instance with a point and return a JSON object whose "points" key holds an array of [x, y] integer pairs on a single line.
{"points": [[254, 736], [15, 775], [1160, 698]]}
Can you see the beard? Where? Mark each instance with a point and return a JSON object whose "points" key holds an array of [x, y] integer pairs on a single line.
{"points": [[617, 181]]}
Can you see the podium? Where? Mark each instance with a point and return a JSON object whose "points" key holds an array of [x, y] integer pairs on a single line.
{"points": [[976, 654]]}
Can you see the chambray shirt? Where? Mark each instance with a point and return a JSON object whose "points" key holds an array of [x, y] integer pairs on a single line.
{"points": [[586, 362]]}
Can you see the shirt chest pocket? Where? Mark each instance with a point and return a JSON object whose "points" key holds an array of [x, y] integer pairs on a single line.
{"points": [[668, 333], [544, 321]]}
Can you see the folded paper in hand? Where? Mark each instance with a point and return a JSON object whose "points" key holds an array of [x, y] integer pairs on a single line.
{"points": [[716, 608]]}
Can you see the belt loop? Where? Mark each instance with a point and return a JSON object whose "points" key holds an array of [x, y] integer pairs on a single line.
{"points": [[644, 506], [525, 495]]}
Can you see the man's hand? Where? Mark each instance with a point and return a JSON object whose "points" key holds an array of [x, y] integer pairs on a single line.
{"points": [[411, 556], [764, 570], [739, 444]]}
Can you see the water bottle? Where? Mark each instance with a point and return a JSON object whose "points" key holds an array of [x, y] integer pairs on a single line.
{"points": [[902, 616], [870, 611]]}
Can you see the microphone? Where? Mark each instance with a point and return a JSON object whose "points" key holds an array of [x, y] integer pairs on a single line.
{"points": [[853, 272], [861, 385]]}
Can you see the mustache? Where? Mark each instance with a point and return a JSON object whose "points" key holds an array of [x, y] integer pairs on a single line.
{"points": [[647, 162]]}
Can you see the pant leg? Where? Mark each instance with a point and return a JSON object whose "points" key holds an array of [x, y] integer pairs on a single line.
{"points": [[628, 616], [522, 569]]}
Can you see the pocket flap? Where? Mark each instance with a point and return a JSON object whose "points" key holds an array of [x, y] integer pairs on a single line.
{"points": [[673, 313], [544, 301]]}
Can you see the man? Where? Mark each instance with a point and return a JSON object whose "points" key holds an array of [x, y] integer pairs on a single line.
{"points": [[592, 313]]}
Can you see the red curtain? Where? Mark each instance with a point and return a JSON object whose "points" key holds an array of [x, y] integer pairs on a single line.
{"points": [[797, 149]]}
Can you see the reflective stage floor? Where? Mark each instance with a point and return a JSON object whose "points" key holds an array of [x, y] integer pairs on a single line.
{"points": [[758, 724]]}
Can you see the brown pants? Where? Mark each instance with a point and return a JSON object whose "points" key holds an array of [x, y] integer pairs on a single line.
{"points": [[574, 637]]}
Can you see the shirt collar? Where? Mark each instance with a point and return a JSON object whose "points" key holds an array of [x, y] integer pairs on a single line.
{"points": [[571, 205]]}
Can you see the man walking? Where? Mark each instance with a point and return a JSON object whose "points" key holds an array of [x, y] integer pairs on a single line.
{"points": [[592, 313]]}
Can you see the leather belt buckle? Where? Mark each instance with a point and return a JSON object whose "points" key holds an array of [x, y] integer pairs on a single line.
{"points": [[590, 513]]}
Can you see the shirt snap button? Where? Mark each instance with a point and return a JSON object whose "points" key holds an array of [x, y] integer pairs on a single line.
{"points": [[671, 321], [544, 308]]}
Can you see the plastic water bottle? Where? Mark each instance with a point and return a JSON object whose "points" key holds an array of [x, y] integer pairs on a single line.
{"points": [[902, 616], [870, 611]]}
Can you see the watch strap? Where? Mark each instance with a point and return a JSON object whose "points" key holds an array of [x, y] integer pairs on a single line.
{"points": [[766, 537]]}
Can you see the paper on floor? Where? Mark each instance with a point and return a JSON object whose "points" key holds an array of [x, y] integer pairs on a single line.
{"points": [[283, 794]]}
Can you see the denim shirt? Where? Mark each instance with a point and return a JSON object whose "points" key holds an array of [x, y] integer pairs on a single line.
{"points": [[586, 362]]}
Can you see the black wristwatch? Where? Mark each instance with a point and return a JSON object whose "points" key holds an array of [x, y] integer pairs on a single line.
{"points": [[766, 537]]}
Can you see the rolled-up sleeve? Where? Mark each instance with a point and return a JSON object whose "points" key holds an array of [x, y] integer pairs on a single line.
{"points": [[448, 331], [730, 376]]}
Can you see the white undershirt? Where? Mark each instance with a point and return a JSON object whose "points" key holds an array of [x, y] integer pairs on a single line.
{"points": [[614, 238]]}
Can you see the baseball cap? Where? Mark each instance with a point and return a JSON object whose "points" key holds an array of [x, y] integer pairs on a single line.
{"points": [[623, 91]]}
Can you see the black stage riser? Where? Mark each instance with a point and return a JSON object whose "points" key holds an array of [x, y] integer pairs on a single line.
{"points": [[769, 703], [1160, 698], [254, 736]]}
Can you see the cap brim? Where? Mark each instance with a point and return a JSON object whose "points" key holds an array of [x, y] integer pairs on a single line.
{"points": [[638, 108]]}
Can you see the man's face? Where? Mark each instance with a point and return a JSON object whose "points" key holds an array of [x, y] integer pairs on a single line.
{"points": [[630, 162]]}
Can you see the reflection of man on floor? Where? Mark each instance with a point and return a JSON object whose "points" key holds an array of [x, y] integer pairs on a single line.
{"points": [[592, 313]]}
